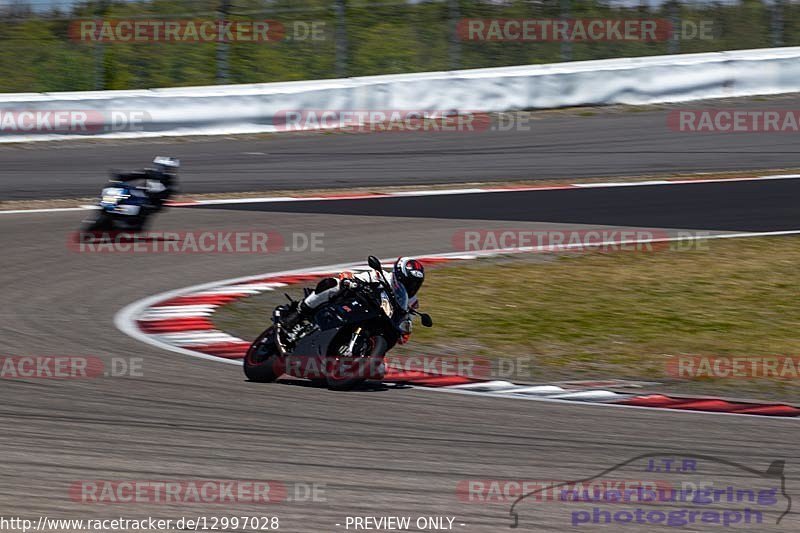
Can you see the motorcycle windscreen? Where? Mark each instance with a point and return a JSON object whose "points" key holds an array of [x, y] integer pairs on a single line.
{"points": [[400, 294]]}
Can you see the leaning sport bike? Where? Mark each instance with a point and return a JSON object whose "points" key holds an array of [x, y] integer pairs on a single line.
{"points": [[343, 344], [121, 207]]}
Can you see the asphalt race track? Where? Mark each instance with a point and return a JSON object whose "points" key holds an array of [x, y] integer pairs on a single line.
{"points": [[553, 145]]}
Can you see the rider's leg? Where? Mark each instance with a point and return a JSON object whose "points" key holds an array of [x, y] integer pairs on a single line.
{"points": [[325, 290]]}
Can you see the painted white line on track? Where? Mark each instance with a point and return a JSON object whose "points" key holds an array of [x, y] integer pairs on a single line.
{"points": [[151, 316], [486, 386], [622, 184], [229, 291], [48, 210], [439, 192], [534, 389], [684, 182], [203, 336], [586, 395]]}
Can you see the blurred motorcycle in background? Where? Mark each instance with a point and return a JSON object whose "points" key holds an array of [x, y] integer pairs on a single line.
{"points": [[128, 207]]}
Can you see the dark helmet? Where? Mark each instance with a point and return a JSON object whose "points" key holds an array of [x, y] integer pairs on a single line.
{"points": [[409, 273]]}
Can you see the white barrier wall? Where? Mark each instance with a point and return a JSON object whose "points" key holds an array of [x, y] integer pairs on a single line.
{"points": [[251, 108]]}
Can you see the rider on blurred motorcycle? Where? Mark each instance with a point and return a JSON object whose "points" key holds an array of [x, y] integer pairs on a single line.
{"points": [[407, 275], [160, 181]]}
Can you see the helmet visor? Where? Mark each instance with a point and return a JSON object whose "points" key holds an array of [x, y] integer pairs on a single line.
{"points": [[412, 283]]}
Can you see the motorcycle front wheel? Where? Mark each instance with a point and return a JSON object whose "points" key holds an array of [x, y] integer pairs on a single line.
{"points": [[263, 363], [102, 221], [347, 372]]}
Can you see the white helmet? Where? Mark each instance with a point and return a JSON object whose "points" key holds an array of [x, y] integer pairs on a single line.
{"points": [[410, 273], [167, 165]]}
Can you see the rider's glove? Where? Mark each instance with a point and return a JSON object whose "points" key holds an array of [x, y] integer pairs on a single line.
{"points": [[405, 326]]}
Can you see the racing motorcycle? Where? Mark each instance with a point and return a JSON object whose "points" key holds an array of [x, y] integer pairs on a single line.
{"points": [[342, 344], [121, 207]]}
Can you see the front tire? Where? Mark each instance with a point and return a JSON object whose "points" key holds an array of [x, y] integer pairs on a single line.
{"points": [[263, 363], [102, 222], [340, 373]]}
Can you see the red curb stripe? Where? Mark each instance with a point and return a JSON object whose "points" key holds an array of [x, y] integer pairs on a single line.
{"points": [[170, 325], [290, 280], [417, 377], [404, 375], [442, 381], [435, 260], [771, 410], [719, 406], [710, 405], [212, 299], [652, 400], [226, 350]]}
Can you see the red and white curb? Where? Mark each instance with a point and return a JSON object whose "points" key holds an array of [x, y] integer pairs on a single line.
{"points": [[179, 321], [590, 394]]}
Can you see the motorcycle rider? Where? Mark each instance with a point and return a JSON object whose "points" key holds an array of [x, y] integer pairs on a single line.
{"points": [[160, 180], [407, 273]]}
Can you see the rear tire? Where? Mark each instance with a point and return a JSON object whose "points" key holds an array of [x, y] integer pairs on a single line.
{"points": [[263, 363], [347, 379]]}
